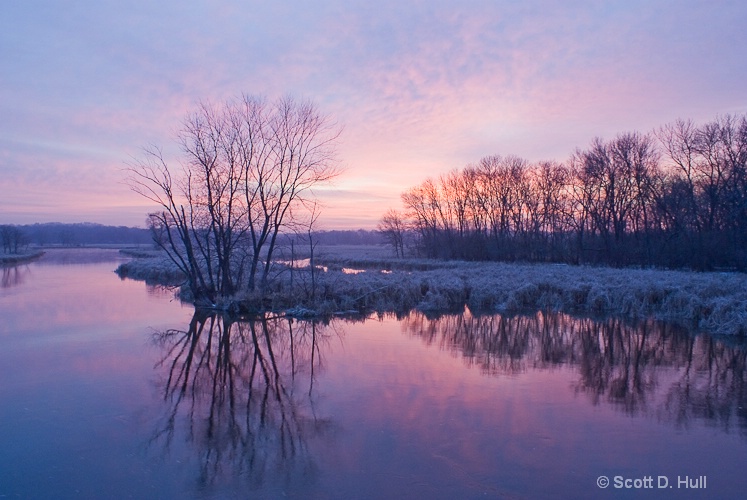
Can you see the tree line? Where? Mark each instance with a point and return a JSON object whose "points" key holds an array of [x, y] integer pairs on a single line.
{"points": [[12, 239], [84, 233], [16, 238], [675, 197]]}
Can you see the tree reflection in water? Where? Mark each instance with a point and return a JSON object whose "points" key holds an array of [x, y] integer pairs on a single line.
{"points": [[243, 394], [244, 391], [643, 368], [13, 275]]}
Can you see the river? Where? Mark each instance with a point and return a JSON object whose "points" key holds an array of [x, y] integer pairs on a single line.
{"points": [[112, 389]]}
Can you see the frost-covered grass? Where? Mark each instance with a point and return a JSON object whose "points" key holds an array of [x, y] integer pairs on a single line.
{"points": [[11, 259], [151, 266], [712, 302], [144, 252]]}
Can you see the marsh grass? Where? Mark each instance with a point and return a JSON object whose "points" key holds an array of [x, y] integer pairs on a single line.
{"points": [[711, 302], [11, 259], [150, 266]]}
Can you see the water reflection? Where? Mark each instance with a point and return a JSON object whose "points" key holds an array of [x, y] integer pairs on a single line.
{"points": [[160, 291], [76, 256], [14, 276], [641, 368], [253, 403], [243, 394]]}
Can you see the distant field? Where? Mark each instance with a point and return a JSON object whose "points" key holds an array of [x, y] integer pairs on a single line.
{"points": [[354, 252]]}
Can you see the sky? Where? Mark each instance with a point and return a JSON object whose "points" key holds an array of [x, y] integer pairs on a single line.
{"points": [[419, 88]]}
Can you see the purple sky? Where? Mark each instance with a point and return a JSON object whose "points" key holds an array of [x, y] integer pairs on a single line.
{"points": [[420, 88]]}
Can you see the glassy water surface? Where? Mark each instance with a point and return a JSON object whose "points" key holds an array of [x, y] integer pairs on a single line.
{"points": [[109, 388]]}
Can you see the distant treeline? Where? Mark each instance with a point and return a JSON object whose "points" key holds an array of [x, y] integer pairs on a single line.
{"points": [[17, 237], [340, 237], [85, 233], [675, 197]]}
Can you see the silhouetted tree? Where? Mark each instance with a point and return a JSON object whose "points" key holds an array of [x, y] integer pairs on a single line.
{"points": [[246, 173], [392, 227], [13, 238]]}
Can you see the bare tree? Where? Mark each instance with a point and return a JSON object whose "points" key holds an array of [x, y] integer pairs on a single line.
{"points": [[13, 238], [423, 207], [393, 226], [301, 148], [246, 174], [707, 169], [173, 223]]}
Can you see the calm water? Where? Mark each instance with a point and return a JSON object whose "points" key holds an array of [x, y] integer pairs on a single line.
{"points": [[111, 389]]}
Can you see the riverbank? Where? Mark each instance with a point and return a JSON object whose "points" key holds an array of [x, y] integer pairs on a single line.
{"points": [[712, 302], [15, 259], [151, 266]]}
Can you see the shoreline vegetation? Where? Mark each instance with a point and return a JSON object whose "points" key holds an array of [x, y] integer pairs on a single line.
{"points": [[346, 283], [20, 258]]}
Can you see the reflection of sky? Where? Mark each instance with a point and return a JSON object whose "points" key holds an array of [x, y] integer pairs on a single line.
{"points": [[420, 87], [431, 427], [75, 360], [81, 394], [49, 297]]}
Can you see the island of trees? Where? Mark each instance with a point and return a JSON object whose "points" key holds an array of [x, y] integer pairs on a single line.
{"points": [[243, 180]]}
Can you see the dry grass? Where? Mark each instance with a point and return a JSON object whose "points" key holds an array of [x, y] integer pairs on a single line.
{"points": [[150, 266], [712, 302], [11, 259]]}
